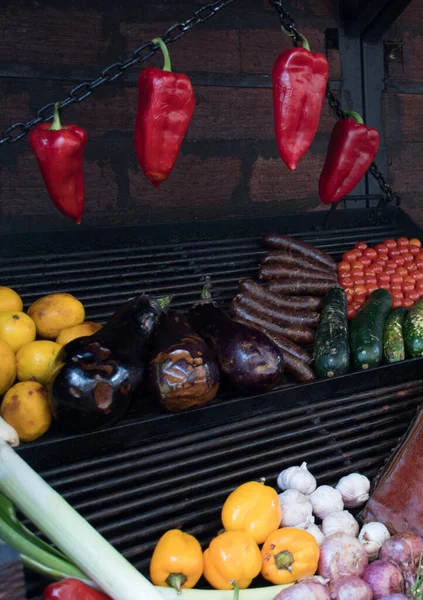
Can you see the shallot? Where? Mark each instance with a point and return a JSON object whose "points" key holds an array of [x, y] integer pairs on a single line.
{"points": [[311, 590], [350, 588], [341, 555], [384, 578], [404, 549]]}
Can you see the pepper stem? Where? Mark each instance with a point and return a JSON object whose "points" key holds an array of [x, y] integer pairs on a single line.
{"points": [[166, 66], [176, 581], [304, 43], [236, 590], [354, 115], [164, 301], [284, 560], [56, 125]]}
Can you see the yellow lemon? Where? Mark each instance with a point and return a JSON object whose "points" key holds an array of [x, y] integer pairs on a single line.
{"points": [[25, 407], [16, 328], [35, 360], [55, 312], [8, 366], [9, 299], [72, 333]]}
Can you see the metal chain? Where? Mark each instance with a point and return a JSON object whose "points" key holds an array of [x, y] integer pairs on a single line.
{"points": [[82, 91], [289, 27]]}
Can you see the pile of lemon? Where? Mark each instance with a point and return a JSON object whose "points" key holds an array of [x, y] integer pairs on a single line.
{"points": [[29, 344]]}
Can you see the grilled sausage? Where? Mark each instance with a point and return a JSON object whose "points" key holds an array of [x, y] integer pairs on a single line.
{"points": [[297, 367], [282, 342], [303, 336], [284, 242], [276, 270], [300, 287], [288, 259], [259, 292], [278, 316]]}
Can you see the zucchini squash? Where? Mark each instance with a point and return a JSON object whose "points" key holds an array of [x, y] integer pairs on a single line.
{"points": [[393, 337], [413, 330], [331, 346]]}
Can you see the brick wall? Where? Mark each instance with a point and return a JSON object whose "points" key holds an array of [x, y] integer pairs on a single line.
{"points": [[229, 164]]}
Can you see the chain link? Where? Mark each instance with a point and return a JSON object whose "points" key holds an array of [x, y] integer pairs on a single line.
{"points": [[82, 91], [287, 22]]}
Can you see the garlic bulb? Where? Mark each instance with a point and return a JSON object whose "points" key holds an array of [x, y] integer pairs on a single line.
{"points": [[8, 434], [317, 533], [340, 522], [326, 500], [372, 536], [297, 478], [354, 489], [296, 509]]}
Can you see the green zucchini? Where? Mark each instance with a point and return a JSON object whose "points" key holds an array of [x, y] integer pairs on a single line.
{"points": [[393, 338], [413, 330], [331, 346], [366, 333]]}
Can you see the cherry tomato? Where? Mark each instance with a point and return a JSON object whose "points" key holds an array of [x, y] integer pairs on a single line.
{"points": [[380, 261], [365, 261], [390, 243], [347, 282], [370, 253], [407, 288], [413, 250], [402, 242], [415, 242], [349, 256], [411, 268], [408, 258], [343, 276], [378, 268], [419, 285], [414, 296], [344, 266], [357, 264], [401, 271], [349, 298], [371, 281], [397, 295], [409, 279], [419, 256], [399, 261], [381, 249], [359, 289], [396, 303], [419, 264], [358, 281], [360, 246], [385, 286], [351, 312], [383, 278], [389, 271], [418, 275], [397, 278], [369, 271], [394, 253], [403, 251], [407, 302], [371, 287], [396, 287], [357, 306]]}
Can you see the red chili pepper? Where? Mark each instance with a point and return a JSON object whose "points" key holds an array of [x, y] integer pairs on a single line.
{"points": [[59, 150], [72, 589], [299, 85], [352, 149], [166, 104]]}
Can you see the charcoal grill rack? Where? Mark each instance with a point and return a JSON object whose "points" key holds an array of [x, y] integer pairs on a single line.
{"points": [[155, 471]]}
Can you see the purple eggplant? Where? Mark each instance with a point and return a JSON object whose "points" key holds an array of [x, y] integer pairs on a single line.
{"points": [[247, 357], [94, 377], [183, 372]]}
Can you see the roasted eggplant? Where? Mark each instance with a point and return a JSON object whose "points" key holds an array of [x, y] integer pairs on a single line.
{"points": [[94, 377], [183, 372], [247, 357]]}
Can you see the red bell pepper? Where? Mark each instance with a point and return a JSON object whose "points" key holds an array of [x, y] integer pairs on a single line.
{"points": [[166, 105], [352, 149], [299, 84], [59, 151], [72, 589]]}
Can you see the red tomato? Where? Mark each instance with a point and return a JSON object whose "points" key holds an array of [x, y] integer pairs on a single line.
{"points": [[390, 243], [370, 271], [357, 253], [371, 281], [418, 275], [365, 261], [343, 276], [414, 296], [349, 256], [359, 289], [419, 285], [419, 256], [415, 242], [370, 253], [397, 295], [418, 263], [399, 261], [344, 266], [380, 261], [411, 268], [394, 253], [397, 278], [402, 242], [383, 278], [396, 287], [371, 287], [378, 268], [358, 281], [360, 246], [408, 258], [385, 286], [389, 271], [381, 249], [414, 250], [407, 302], [401, 271], [409, 279], [403, 251], [351, 312], [347, 282], [407, 288]]}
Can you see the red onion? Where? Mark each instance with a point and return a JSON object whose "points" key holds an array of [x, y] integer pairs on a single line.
{"points": [[384, 578], [404, 550], [350, 588], [341, 555], [396, 597], [311, 590]]}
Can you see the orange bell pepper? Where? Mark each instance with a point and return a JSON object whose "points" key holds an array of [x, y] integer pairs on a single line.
{"points": [[252, 507], [232, 561], [177, 560], [289, 554]]}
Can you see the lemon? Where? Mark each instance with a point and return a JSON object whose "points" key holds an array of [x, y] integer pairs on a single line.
{"points": [[55, 312], [9, 299], [16, 328], [25, 407], [35, 360], [8, 366], [72, 333]]}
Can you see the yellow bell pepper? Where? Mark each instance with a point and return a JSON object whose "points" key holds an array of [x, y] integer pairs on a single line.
{"points": [[252, 507], [289, 554], [177, 560], [232, 561]]}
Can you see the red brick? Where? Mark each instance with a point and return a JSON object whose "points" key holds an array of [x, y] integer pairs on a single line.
{"points": [[47, 35], [272, 181], [194, 182], [13, 105], [101, 188], [324, 8], [205, 50], [411, 67], [412, 17], [411, 122], [407, 168]]}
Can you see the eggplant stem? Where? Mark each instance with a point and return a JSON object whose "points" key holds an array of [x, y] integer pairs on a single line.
{"points": [[176, 581]]}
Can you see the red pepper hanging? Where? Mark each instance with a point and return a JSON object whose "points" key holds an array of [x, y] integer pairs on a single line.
{"points": [[352, 149], [72, 589], [299, 85], [59, 151], [166, 105]]}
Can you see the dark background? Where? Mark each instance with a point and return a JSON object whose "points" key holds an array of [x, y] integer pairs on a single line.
{"points": [[229, 164]]}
